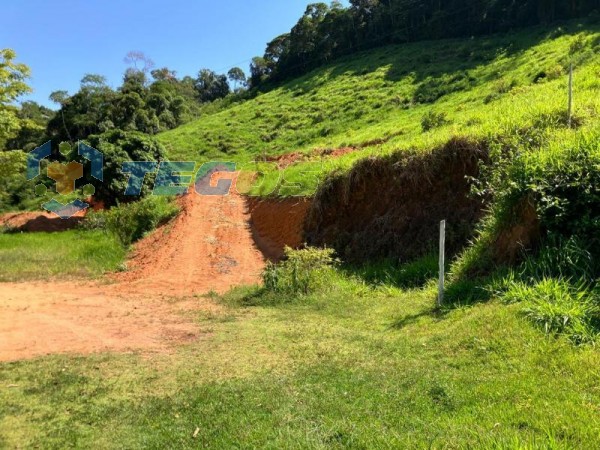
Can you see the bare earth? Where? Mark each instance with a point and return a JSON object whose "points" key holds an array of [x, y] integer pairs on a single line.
{"points": [[209, 246]]}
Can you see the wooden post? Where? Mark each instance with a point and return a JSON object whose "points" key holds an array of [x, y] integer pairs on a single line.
{"points": [[570, 95], [440, 300]]}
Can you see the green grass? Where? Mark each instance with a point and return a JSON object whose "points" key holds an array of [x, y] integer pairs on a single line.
{"points": [[376, 101], [349, 366], [29, 256]]}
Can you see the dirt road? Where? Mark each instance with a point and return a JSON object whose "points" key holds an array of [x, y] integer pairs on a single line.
{"points": [[209, 246]]}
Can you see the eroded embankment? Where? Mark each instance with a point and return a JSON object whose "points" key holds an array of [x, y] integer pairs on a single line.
{"points": [[277, 223], [391, 207]]}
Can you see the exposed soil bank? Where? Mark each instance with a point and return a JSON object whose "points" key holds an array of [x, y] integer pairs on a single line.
{"points": [[277, 223], [391, 207], [38, 221]]}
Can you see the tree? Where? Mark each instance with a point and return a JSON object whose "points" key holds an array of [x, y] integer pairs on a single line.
{"points": [[138, 61], [164, 74], [12, 86], [117, 147], [34, 120], [93, 81], [237, 76], [211, 86], [259, 71]]}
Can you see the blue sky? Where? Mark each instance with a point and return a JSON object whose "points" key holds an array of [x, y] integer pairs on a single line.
{"points": [[61, 40]]}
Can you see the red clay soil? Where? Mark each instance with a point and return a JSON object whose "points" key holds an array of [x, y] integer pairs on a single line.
{"points": [[391, 207], [209, 246], [43, 318], [278, 223], [288, 159]]}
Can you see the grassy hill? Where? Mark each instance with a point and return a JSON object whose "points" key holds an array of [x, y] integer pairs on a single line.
{"points": [[384, 100]]}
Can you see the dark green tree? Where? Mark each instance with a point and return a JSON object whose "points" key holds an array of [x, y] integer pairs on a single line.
{"points": [[118, 147], [210, 86], [237, 77]]}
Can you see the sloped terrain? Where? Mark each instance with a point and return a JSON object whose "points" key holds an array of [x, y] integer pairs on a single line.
{"points": [[391, 207], [399, 97]]}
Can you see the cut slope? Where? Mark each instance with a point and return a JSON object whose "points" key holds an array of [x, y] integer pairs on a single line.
{"points": [[391, 207]]}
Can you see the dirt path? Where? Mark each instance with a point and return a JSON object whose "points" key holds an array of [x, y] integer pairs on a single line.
{"points": [[209, 246]]}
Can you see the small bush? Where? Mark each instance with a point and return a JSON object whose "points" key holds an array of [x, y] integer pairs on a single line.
{"points": [[301, 272], [433, 120], [577, 44], [130, 222]]}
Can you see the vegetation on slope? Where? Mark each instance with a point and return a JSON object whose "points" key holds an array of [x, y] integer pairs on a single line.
{"points": [[375, 103], [324, 32]]}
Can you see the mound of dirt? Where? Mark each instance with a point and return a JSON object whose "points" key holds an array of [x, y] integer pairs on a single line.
{"points": [[39, 221], [209, 246], [391, 207]]}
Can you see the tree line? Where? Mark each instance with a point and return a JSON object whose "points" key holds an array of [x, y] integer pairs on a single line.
{"points": [[326, 32], [149, 100], [118, 121]]}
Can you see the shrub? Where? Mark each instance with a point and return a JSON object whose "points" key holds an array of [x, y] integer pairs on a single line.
{"points": [[433, 120], [130, 222], [301, 272]]}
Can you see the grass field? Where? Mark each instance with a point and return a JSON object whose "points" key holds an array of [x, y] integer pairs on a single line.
{"points": [[29, 256], [349, 366]]}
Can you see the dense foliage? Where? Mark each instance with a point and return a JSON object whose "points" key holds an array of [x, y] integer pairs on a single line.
{"points": [[136, 106], [326, 32], [117, 147], [12, 86]]}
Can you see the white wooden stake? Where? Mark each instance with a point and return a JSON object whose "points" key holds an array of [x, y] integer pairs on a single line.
{"points": [[442, 263], [570, 95]]}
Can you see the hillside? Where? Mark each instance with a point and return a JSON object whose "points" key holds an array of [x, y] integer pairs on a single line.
{"points": [[306, 314], [374, 103]]}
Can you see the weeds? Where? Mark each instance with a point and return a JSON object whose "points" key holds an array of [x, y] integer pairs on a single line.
{"points": [[301, 272], [559, 308], [433, 120]]}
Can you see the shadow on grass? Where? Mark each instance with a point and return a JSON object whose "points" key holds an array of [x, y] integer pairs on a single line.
{"points": [[387, 272], [410, 319]]}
